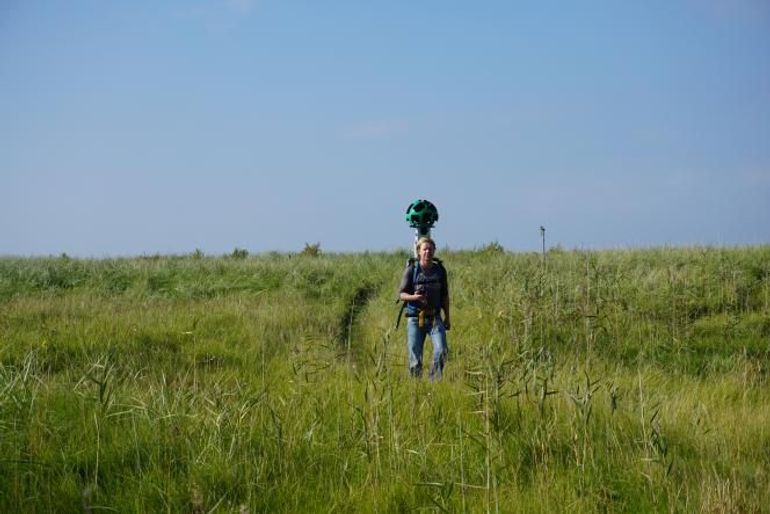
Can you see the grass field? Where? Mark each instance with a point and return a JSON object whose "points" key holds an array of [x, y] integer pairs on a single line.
{"points": [[611, 381]]}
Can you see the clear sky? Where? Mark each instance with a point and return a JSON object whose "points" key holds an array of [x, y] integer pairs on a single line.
{"points": [[142, 127]]}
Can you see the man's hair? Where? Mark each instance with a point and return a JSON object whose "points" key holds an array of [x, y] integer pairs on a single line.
{"points": [[424, 240]]}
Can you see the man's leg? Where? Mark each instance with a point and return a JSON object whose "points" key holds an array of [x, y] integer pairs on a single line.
{"points": [[415, 339], [440, 348]]}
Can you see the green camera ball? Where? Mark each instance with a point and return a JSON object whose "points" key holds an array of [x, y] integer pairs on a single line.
{"points": [[421, 213]]}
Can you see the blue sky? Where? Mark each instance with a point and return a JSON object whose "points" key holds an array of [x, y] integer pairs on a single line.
{"points": [[131, 128]]}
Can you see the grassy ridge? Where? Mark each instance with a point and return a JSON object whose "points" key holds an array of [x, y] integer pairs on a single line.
{"points": [[594, 381]]}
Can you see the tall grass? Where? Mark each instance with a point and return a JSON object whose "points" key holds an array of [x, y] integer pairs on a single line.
{"points": [[633, 380]]}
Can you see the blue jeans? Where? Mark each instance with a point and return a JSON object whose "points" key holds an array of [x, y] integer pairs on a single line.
{"points": [[415, 339]]}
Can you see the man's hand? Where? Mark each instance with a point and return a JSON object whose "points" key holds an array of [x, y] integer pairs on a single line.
{"points": [[421, 298]]}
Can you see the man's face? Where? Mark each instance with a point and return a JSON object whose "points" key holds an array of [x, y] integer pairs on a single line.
{"points": [[426, 252]]}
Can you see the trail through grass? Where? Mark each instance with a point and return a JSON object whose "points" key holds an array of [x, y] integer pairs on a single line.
{"points": [[621, 381]]}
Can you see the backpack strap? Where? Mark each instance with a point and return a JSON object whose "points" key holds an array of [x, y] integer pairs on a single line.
{"points": [[411, 261]]}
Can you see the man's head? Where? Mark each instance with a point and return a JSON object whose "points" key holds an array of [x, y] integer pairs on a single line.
{"points": [[426, 247]]}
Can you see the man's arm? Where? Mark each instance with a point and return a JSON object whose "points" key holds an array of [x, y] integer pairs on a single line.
{"points": [[445, 300], [445, 307], [406, 297]]}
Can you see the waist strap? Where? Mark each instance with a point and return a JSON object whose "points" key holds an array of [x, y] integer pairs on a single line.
{"points": [[425, 314]]}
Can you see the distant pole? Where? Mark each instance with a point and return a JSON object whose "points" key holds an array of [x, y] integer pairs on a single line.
{"points": [[542, 236]]}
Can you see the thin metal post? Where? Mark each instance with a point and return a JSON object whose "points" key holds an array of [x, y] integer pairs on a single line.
{"points": [[542, 236]]}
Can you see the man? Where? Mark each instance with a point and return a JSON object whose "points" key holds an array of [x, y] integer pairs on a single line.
{"points": [[425, 290]]}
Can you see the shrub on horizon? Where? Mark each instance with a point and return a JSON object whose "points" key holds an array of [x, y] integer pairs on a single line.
{"points": [[239, 253], [311, 250], [493, 248]]}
